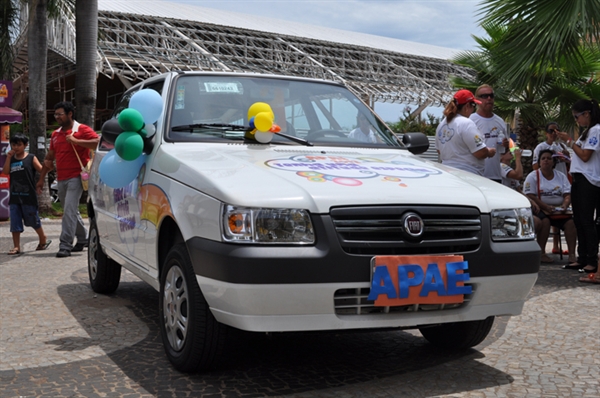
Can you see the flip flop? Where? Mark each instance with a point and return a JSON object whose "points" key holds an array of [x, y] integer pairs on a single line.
{"points": [[14, 252], [545, 259], [44, 246], [590, 278], [573, 265]]}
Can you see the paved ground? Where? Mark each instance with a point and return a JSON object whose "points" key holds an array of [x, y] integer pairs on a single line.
{"points": [[59, 339]]}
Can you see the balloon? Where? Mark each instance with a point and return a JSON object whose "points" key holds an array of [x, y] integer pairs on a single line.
{"points": [[262, 137], [148, 130], [117, 172], [110, 130], [129, 145], [131, 120], [258, 107], [148, 103], [263, 121]]}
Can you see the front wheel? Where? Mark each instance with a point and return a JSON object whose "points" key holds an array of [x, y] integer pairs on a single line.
{"points": [[192, 337], [458, 335], [104, 273]]}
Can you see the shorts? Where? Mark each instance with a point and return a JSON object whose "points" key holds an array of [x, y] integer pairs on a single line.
{"points": [[24, 214], [555, 222]]}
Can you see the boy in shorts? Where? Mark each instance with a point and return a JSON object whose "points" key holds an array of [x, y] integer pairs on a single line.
{"points": [[23, 197]]}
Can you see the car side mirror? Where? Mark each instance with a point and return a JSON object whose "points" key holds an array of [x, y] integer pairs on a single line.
{"points": [[416, 143]]}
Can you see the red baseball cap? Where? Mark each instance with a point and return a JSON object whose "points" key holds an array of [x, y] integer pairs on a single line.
{"points": [[464, 97]]}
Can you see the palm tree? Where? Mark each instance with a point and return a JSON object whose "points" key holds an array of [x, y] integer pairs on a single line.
{"points": [[8, 19], [538, 31], [37, 54], [544, 95], [86, 23]]}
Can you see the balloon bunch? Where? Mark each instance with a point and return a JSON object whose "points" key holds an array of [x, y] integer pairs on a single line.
{"points": [[262, 122], [135, 128]]}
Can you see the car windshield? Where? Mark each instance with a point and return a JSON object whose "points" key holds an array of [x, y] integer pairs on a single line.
{"points": [[216, 109]]}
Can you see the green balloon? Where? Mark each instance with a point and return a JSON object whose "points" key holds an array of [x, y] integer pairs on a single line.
{"points": [[131, 120], [129, 145]]}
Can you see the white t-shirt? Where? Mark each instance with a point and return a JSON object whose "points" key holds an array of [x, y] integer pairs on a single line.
{"points": [[357, 134], [556, 148], [457, 141], [507, 181], [490, 128], [551, 191], [591, 168]]}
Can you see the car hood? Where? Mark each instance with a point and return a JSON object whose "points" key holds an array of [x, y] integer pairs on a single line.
{"points": [[320, 178]]}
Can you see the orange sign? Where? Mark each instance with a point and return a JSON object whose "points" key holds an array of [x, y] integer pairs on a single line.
{"points": [[408, 280]]}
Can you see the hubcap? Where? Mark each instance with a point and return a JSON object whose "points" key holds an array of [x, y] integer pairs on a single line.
{"points": [[175, 308], [93, 253]]}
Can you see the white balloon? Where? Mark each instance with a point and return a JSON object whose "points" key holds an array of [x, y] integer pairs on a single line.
{"points": [[150, 129], [263, 137]]}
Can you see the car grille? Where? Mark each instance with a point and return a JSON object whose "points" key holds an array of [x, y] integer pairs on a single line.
{"points": [[354, 302], [379, 230]]}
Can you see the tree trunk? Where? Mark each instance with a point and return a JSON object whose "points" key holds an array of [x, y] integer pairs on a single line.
{"points": [[86, 23], [37, 54]]}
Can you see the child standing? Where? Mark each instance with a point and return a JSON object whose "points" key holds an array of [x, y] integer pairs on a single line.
{"points": [[23, 198]]}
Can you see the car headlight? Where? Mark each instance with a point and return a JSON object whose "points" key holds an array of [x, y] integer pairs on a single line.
{"points": [[511, 224], [256, 225]]}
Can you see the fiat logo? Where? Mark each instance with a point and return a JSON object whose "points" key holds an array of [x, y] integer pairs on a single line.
{"points": [[413, 224]]}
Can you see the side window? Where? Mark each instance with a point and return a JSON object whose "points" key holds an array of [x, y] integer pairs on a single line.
{"points": [[156, 86], [123, 102]]}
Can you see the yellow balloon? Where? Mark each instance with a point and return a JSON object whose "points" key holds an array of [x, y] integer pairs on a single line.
{"points": [[258, 107], [263, 121]]}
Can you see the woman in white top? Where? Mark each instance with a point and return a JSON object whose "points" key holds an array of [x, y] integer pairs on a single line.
{"points": [[563, 160], [457, 139], [551, 191], [585, 170]]}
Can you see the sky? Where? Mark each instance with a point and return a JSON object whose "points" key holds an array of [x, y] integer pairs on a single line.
{"points": [[445, 23]]}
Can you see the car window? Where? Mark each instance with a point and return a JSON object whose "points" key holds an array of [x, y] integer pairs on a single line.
{"points": [[215, 108]]}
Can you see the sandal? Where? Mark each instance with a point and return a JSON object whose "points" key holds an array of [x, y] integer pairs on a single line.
{"points": [[44, 246], [588, 271], [14, 252], [590, 278], [557, 251], [545, 259], [574, 265]]}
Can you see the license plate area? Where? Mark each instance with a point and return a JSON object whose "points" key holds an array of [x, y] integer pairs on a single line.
{"points": [[418, 280]]}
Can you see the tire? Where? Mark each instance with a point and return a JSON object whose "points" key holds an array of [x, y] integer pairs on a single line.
{"points": [[459, 335], [192, 337], [104, 273]]}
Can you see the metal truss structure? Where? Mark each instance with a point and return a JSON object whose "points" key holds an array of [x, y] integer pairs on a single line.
{"points": [[134, 47]]}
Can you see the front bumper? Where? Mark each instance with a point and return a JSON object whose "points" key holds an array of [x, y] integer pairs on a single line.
{"points": [[292, 288]]}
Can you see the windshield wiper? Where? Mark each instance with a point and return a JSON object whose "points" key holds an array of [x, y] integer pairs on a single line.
{"points": [[296, 139], [219, 126], [232, 127]]}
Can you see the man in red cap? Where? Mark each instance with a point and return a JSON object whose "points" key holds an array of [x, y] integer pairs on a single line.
{"points": [[457, 139]]}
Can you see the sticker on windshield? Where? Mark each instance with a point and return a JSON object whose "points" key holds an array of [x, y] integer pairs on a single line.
{"points": [[222, 87], [180, 98]]}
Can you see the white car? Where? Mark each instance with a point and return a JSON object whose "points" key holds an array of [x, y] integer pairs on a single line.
{"points": [[313, 230]]}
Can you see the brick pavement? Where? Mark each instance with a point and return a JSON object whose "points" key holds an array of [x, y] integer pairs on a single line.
{"points": [[60, 339]]}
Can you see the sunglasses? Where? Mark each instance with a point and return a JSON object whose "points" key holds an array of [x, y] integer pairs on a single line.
{"points": [[486, 96], [576, 116]]}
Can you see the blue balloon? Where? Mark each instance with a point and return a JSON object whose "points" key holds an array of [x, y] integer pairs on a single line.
{"points": [[117, 172], [149, 103]]}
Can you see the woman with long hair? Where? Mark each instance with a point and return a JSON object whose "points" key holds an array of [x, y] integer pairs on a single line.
{"points": [[585, 191], [458, 140]]}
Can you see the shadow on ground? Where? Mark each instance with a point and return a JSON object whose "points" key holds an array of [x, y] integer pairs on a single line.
{"points": [[308, 364]]}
